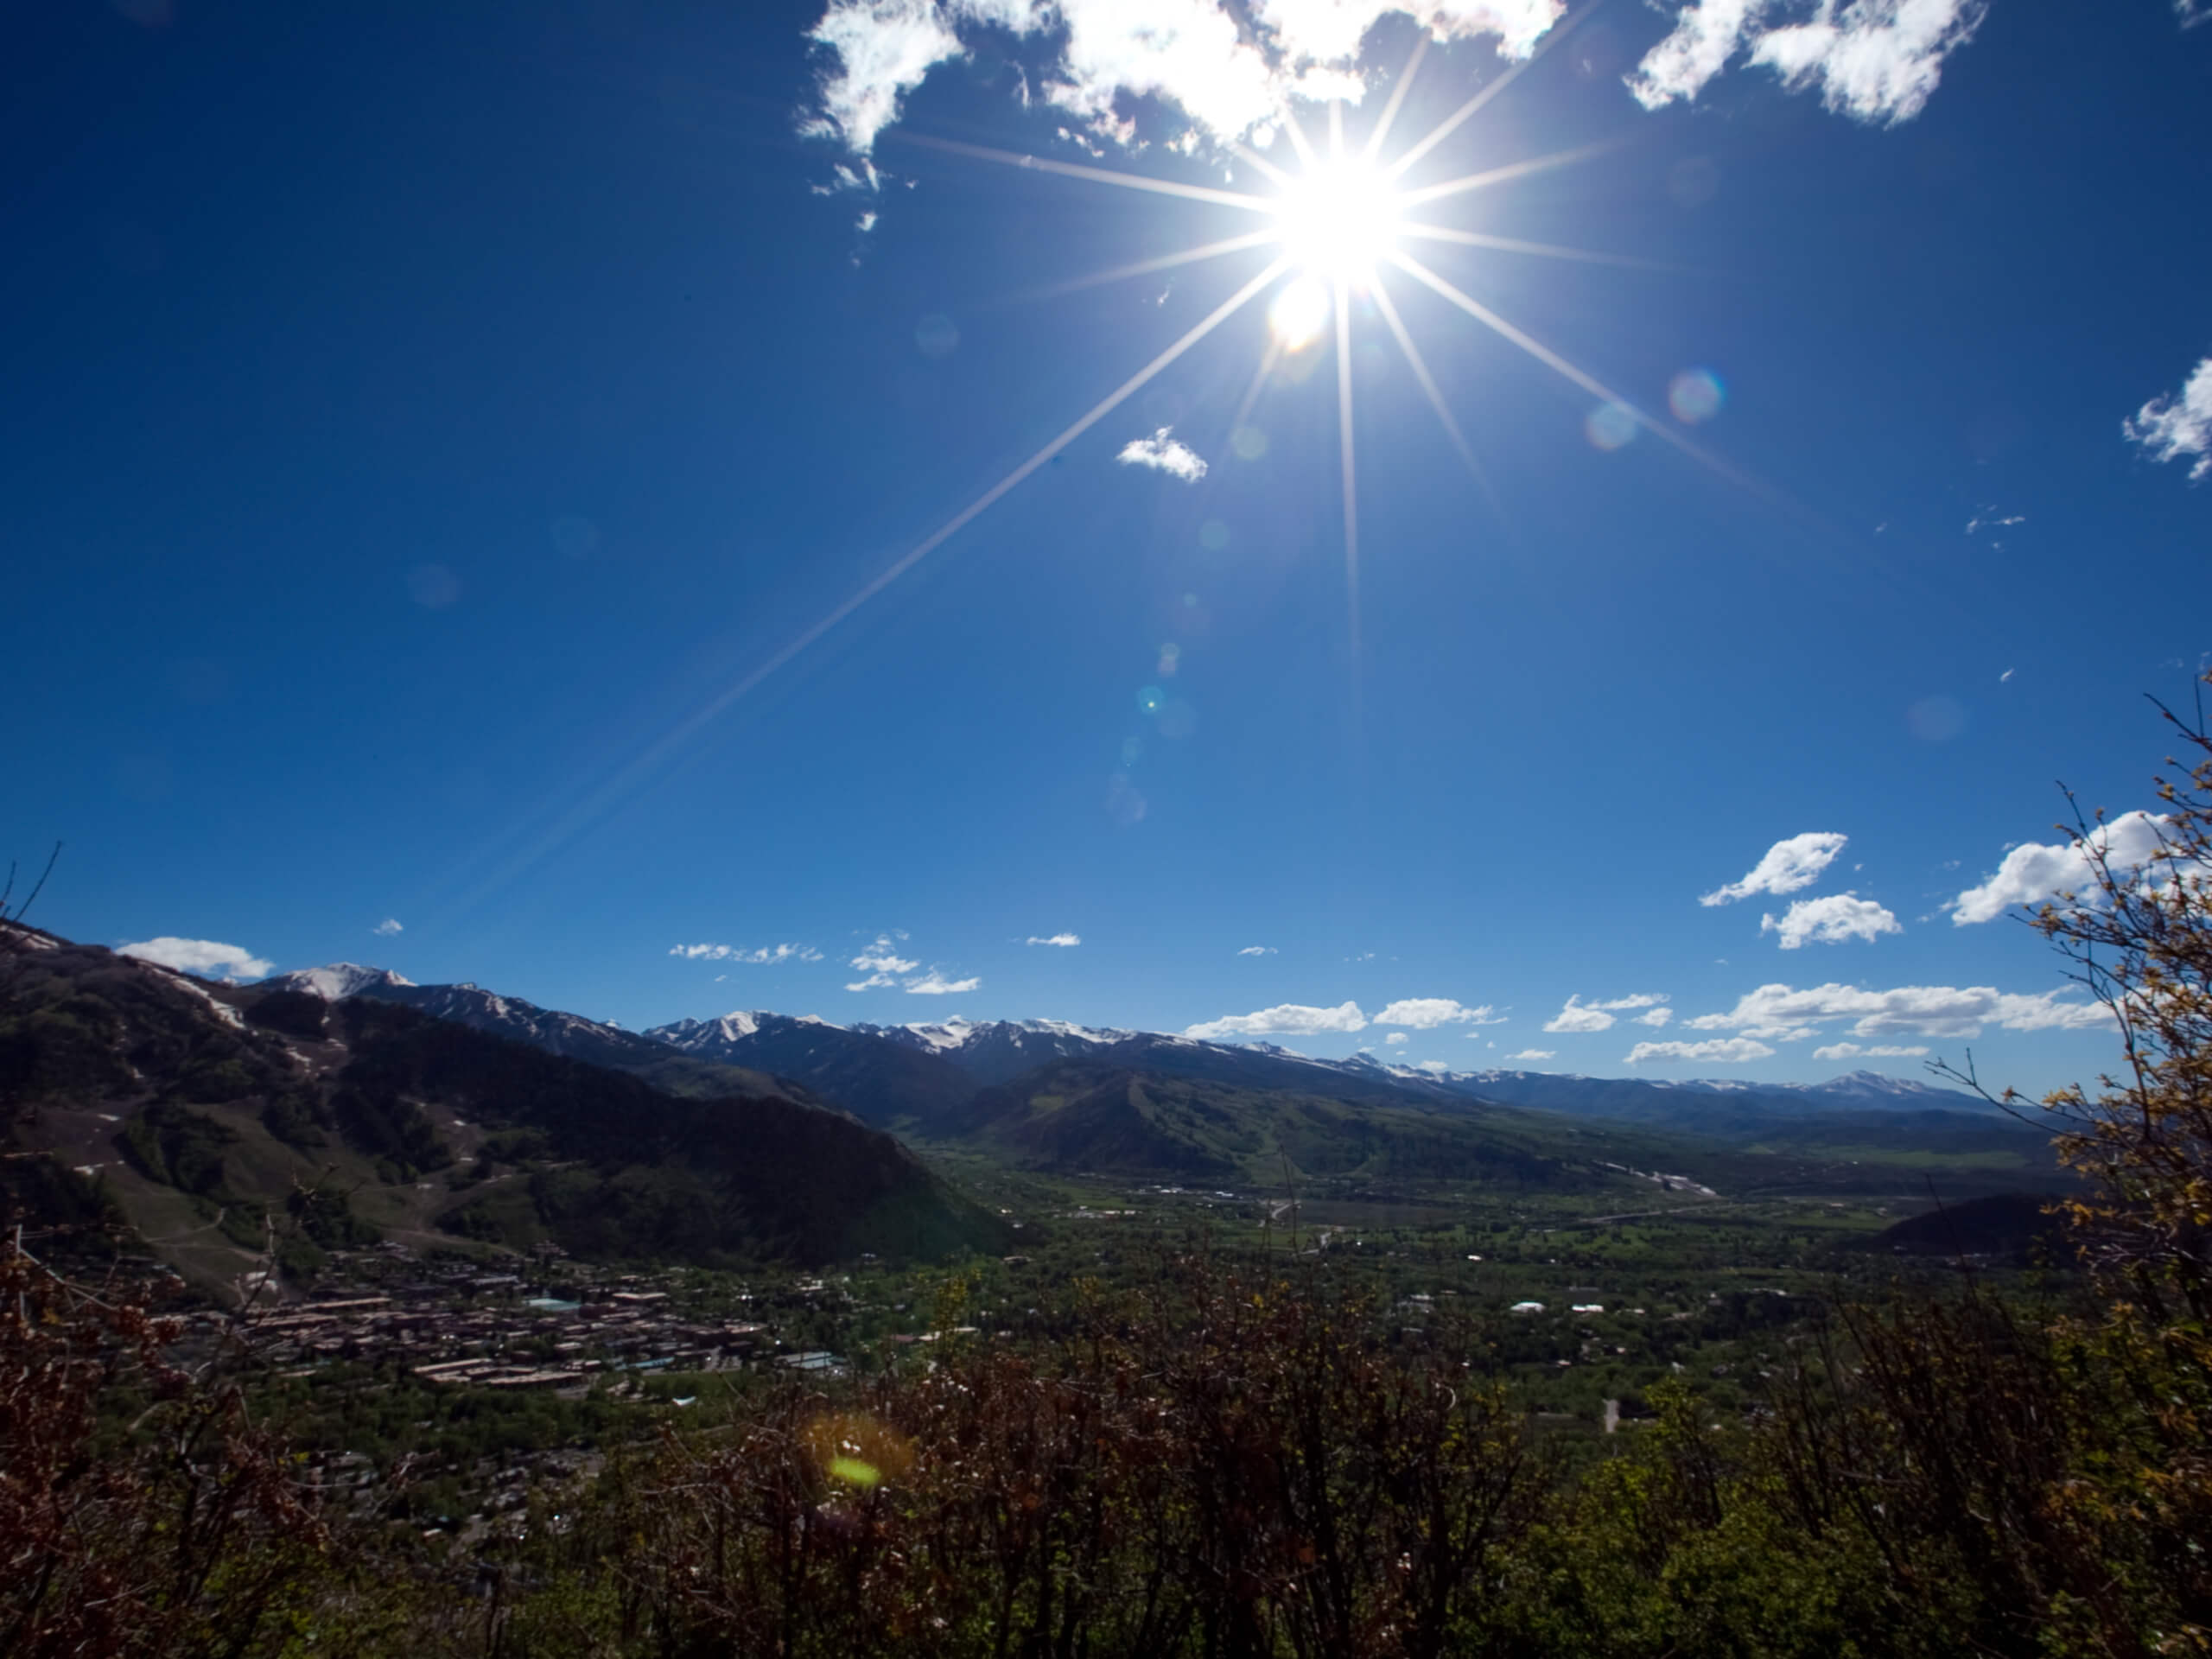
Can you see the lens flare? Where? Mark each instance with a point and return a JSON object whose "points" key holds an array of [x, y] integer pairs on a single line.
{"points": [[1301, 312], [1695, 396], [1610, 425]]}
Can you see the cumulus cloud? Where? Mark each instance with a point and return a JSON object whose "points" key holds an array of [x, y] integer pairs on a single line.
{"points": [[1786, 867], [1257, 951], [1578, 1016], [387, 927], [1535, 1054], [209, 958], [1641, 1000], [1165, 453], [2033, 872], [1228, 78], [1778, 1013], [1831, 920], [1397, 1038], [934, 983], [1879, 1052], [1065, 941], [1285, 1019], [1655, 1017], [1427, 1013], [1875, 61], [2173, 427], [1726, 1051], [758, 954]]}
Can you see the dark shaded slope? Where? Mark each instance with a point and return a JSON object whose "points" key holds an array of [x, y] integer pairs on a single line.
{"points": [[622, 1169], [1097, 1115]]}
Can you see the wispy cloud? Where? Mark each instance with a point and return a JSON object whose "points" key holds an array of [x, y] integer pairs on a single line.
{"points": [[1784, 868], [1228, 71], [1878, 1051], [1257, 951], [2033, 872], [209, 958], [1427, 1013], [386, 928], [1285, 1018], [1725, 1051], [758, 955], [1831, 920], [882, 957], [1164, 453], [1535, 1054], [934, 983], [2173, 427], [1778, 1013], [1065, 941], [1875, 61]]}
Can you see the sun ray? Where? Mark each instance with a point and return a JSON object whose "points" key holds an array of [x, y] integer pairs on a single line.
{"points": [[1509, 244], [1460, 186], [1453, 122], [639, 768], [1427, 383], [1097, 175], [1298, 139], [1274, 175], [1558, 365], [1351, 476], [1146, 267], [1269, 359], [1336, 132], [1374, 146]]}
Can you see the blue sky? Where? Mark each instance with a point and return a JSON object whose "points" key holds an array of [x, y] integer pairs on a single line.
{"points": [[438, 436]]}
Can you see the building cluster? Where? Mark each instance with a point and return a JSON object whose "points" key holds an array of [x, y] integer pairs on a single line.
{"points": [[558, 1326]]}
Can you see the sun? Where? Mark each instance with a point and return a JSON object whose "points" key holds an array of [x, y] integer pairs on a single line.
{"points": [[1338, 220]]}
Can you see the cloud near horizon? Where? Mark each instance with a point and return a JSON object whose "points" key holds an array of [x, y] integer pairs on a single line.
{"points": [[1285, 1018], [1830, 920], [934, 983], [209, 958], [1164, 453], [1784, 868], [1879, 1052], [1535, 1054], [1726, 1051], [1778, 1014], [1427, 1013], [757, 956], [1580, 1016]]}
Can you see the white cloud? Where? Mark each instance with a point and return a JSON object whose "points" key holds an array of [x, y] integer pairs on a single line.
{"points": [[1727, 1050], [1578, 1016], [1427, 1013], [209, 958], [1065, 941], [2193, 12], [1230, 79], [1535, 1054], [1655, 1017], [1879, 1052], [387, 927], [1438, 1066], [1287, 1019], [1397, 1038], [1641, 1000], [1876, 60], [874, 982], [758, 955], [1164, 453], [1831, 920], [2171, 428], [1786, 867], [1257, 951], [880, 957], [934, 983], [2032, 872], [1782, 1013]]}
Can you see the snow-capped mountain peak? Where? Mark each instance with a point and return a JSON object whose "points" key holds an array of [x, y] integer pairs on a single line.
{"points": [[335, 981]]}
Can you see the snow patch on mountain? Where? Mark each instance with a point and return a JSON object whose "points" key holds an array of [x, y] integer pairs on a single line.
{"points": [[335, 981]]}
